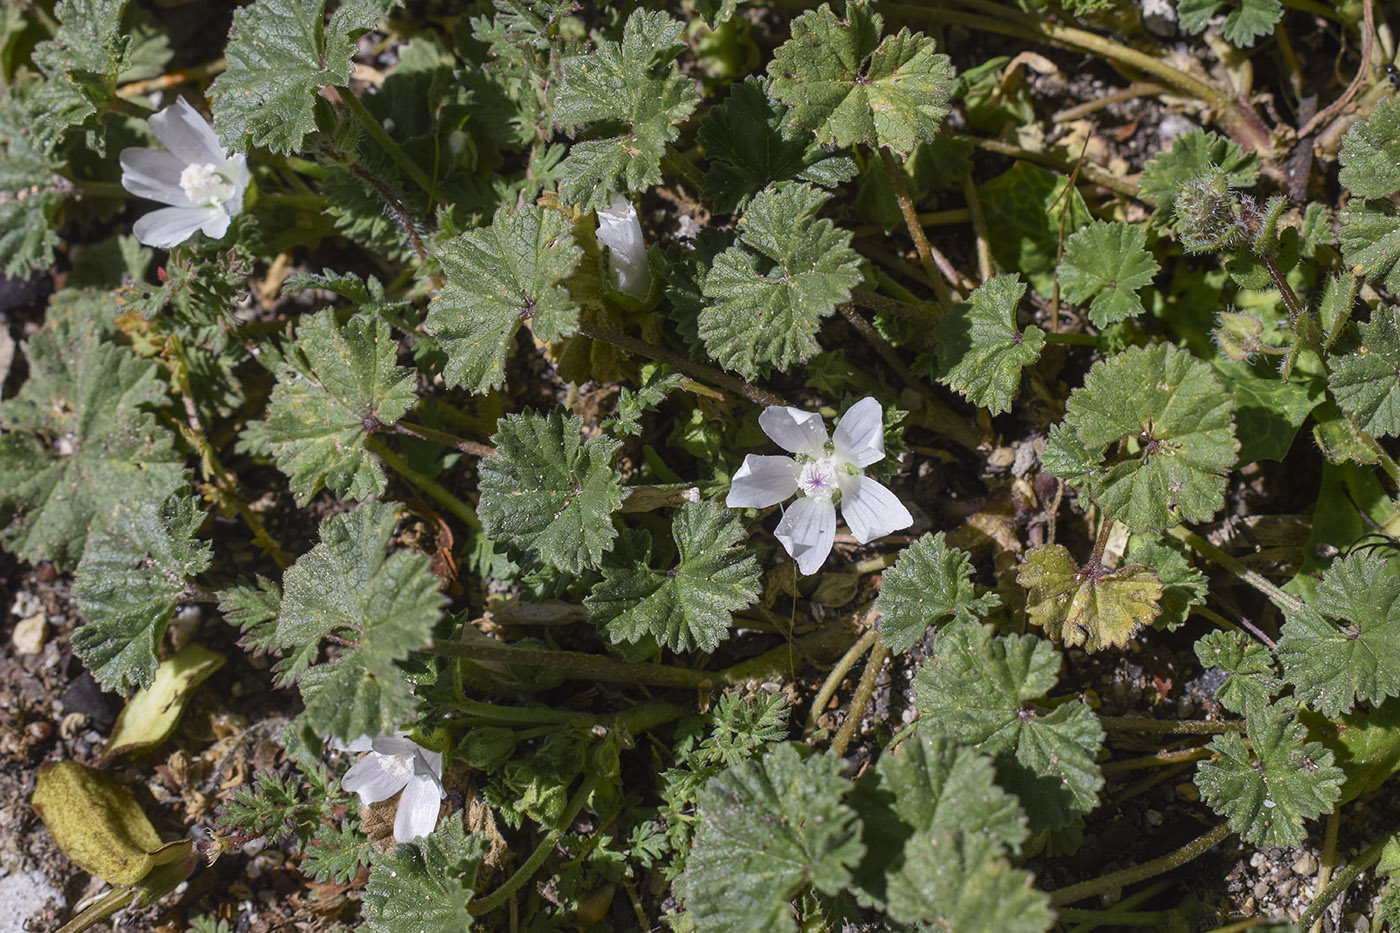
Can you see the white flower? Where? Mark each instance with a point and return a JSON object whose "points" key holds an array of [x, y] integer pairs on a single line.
{"points": [[194, 174], [825, 472], [621, 232], [396, 763]]}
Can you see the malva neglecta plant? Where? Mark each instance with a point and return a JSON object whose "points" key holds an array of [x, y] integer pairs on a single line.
{"points": [[436, 355]]}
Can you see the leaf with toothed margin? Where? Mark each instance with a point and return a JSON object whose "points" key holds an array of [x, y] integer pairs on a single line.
{"points": [[499, 277]]}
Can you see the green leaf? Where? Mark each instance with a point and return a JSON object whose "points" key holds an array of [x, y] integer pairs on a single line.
{"points": [[766, 829], [549, 492], [1177, 421], [335, 386], [280, 54], [1268, 411], [1366, 743], [767, 296], [1253, 679], [79, 437], [632, 404], [1333, 664], [498, 277], [750, 143], [929, 583], [1244, 24], [253, 607], [378, 607], [928, 784], [962, 881], [634, 94], [1371, 152], [1193, 154], [976, 689], [1183, 586], [980, 351], [31, 190], [1370, 239], [1108, 263], [425, 884], [1028, 210], [1095, 609], [81, 63], [848, 86], [690, 605], [128, 583], [1266, 796], [1364, 382]]}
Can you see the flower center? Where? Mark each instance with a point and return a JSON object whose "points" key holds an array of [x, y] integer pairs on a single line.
{"points": [[817, 478], [203, 184]]}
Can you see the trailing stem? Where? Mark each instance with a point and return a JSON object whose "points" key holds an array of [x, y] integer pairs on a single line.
{"points": [[1278, 597], [1339, 884], [916, 230], [838, 674], [376, 131], [427, 484], [864, 691], [1127, 876]]}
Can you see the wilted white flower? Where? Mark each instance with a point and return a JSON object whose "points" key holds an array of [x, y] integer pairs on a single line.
{"points": [[620, 231], [826, 472], [194, 174], [396, 763]]}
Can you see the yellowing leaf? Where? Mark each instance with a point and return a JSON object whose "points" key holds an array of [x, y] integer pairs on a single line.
{"points": [[96, 822], [152, 714], [1083, 606]]}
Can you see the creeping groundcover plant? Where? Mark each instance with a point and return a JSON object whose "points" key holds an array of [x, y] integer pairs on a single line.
{"points": [[716, 465]]}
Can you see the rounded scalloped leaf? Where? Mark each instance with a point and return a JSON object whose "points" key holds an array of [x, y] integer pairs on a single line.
{"points": [[1175, 421]]}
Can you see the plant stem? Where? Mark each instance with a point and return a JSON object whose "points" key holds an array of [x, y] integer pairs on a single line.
{"points": [[1133, 91], [394, 204], [676, 162], [838, 674], [876, 302], [1278, 597], [985, 270], [1171, 726], [694, 370], [1093, 173], [1156, 761], [471, 448], [1329, 860], [916, 231], [1127, 876], [1365, 860], [532, 864], [99, 189], [864, 690], [578, 666], [881, 346], [427, 484], [377, 132]]}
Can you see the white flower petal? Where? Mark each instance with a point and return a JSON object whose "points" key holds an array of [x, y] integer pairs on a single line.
{"points": [[793, 429], [807, 531], [620, 230], [397, 744], [860, 434], [428, 763], [236, 170], [171, 226], [217, 224], [870, 510], [762, 481], [369, 778], [154, 174], [188, 135], [418, 810]]}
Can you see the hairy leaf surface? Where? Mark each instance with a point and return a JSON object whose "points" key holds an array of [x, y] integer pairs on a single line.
{"points": [[929, 583]]}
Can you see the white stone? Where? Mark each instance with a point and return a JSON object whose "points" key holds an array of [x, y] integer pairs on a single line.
{"points": [[22, 896]]}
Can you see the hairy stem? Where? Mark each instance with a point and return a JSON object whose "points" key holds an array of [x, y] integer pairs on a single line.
{"points": [[916, 230], [427, 484], [532, 864], [1365, 860], [1192, 850], [579, 666], [985, 269], [864, 691], [838, 674], [1171, 726], [694, 370], [1278, 597], [1160, 759], [376, 131], [471, 448]]}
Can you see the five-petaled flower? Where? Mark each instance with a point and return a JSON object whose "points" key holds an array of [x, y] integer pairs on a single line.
{"points": [[825, 472], [194, 174], [397, 763]]}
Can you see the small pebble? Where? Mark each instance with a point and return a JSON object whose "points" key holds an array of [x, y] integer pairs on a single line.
{"points": [[1153, 818], [30, 634], [1257, 859], [1306, 865], [1287, 889], [1357, 923], [1260, 889]]}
